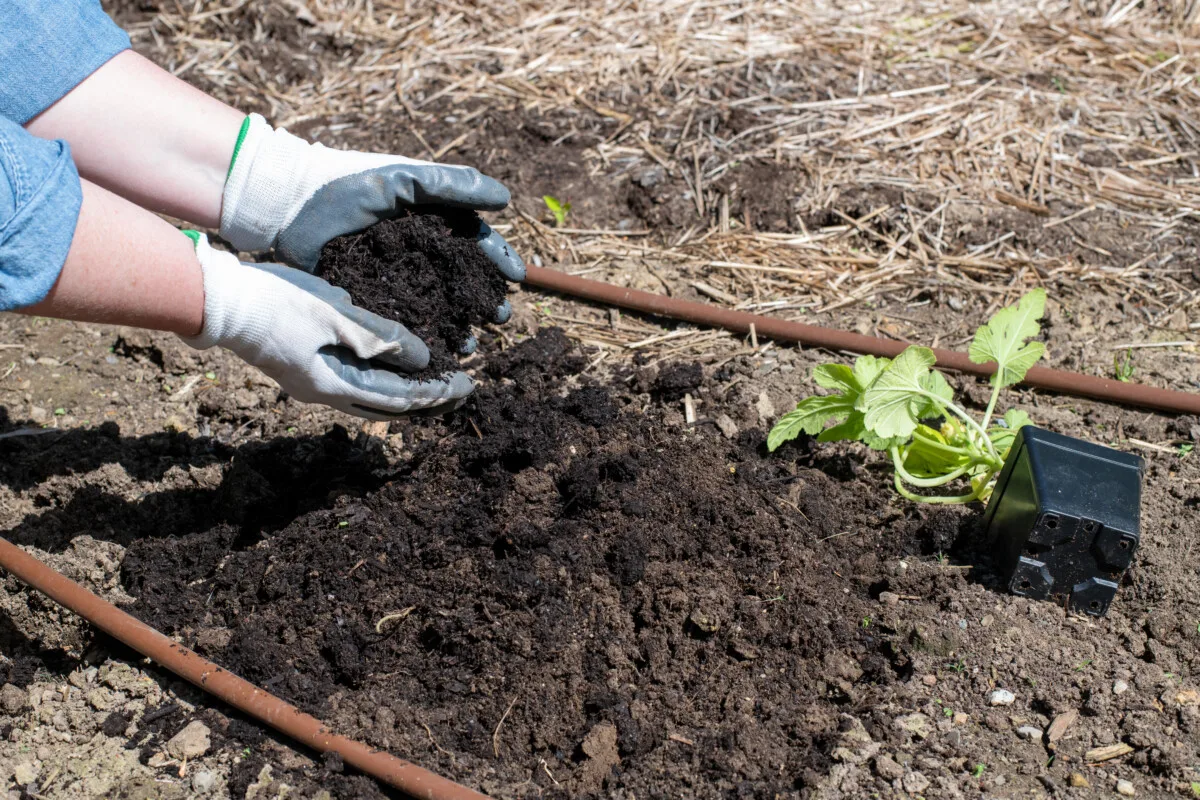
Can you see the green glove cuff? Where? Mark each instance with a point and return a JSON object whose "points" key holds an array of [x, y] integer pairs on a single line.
{"points": [[237, 146], [193, 235]]}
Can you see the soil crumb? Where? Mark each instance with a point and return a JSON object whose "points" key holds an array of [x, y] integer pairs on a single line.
{"points": [[423, 270]]}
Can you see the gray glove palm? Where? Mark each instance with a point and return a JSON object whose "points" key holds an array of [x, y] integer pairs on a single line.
{"points": [[285, 193], [319, 346]]}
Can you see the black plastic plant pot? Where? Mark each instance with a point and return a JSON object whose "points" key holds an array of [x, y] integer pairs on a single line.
{"points": [[1063, 520]]}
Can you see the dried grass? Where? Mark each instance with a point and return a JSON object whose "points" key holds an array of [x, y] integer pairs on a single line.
{"points": [[1065, 133]]}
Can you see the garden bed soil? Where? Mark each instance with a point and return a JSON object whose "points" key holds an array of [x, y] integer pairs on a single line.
{"points": [[620, 605], [424, 270], [568, 593]]}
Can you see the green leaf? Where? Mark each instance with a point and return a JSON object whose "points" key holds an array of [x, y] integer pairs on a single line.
{"points": [[852, 430], [558, 208], [1016, 419], [892, 403], [809, 417], [838, 377], [868, 368], [876, 442], [1003, 339], [813, 414], [1003, 438], [936, 384]]}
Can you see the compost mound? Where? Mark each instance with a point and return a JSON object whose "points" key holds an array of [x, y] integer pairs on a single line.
{"points": [[424, 270], [568, 560]]}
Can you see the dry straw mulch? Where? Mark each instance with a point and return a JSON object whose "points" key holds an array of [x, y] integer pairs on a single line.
{"points": [[987, 146]]}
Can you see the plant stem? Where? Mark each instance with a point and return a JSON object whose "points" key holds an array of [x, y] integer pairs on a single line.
{"points": [[965, 417], [942, 446], [925, 483], [960, 499], [991, 407]]}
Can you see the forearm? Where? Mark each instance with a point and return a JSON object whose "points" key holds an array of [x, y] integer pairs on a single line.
{"points": [[142, 133], [127, 267]]}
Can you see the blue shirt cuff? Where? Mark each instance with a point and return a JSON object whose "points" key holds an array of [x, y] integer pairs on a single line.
{"points": [[47, 47], [40, 198]]}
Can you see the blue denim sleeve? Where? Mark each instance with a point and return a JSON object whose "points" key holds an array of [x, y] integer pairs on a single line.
{"points": [[47, 47], [40, 198]]}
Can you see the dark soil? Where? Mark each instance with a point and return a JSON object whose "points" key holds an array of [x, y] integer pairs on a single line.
{"points": [[614, 578], [423, 270]]}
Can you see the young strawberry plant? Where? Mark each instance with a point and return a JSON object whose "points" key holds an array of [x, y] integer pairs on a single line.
{"points": [[906, 408]]}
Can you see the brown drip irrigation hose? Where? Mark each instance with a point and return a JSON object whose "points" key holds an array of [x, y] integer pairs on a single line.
{"points": [[240, 694], [1072, 383]]}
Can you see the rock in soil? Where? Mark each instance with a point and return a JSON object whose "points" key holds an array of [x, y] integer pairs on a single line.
{"points": [[916, 724], [13, 700], [423, 270], [1061, 724], [1125, 788], [191, 742], [1002, 697], [914, 782], [24, 773], [887, 768], [203, 782]]}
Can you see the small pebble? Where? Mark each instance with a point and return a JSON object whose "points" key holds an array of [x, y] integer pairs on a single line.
{"points": [[987, 620], [24, 773], [203, 781], [961, 717], [917, 724], [887, 768], [889, 598], [1120, 687], [1030, 732], [1125, 788], [1002, 697], [929, 680], [1078, 781], [191, 742], [962, 623], [914, 782], [13, 699], [727, 426]]}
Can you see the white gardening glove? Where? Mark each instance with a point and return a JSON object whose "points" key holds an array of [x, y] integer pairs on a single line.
{"points": [[285, 193], [319, 346]]}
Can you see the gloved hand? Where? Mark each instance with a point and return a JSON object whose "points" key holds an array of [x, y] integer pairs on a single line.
{"points": [[286, 193], [320, 347]]}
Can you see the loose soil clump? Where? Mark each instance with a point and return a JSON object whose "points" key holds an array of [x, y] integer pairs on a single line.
{"points": [[612, 577], [423, 270]]}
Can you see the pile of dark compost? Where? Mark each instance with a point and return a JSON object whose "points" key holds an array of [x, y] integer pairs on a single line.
{"points": [[424, 270], [617, 580]]}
